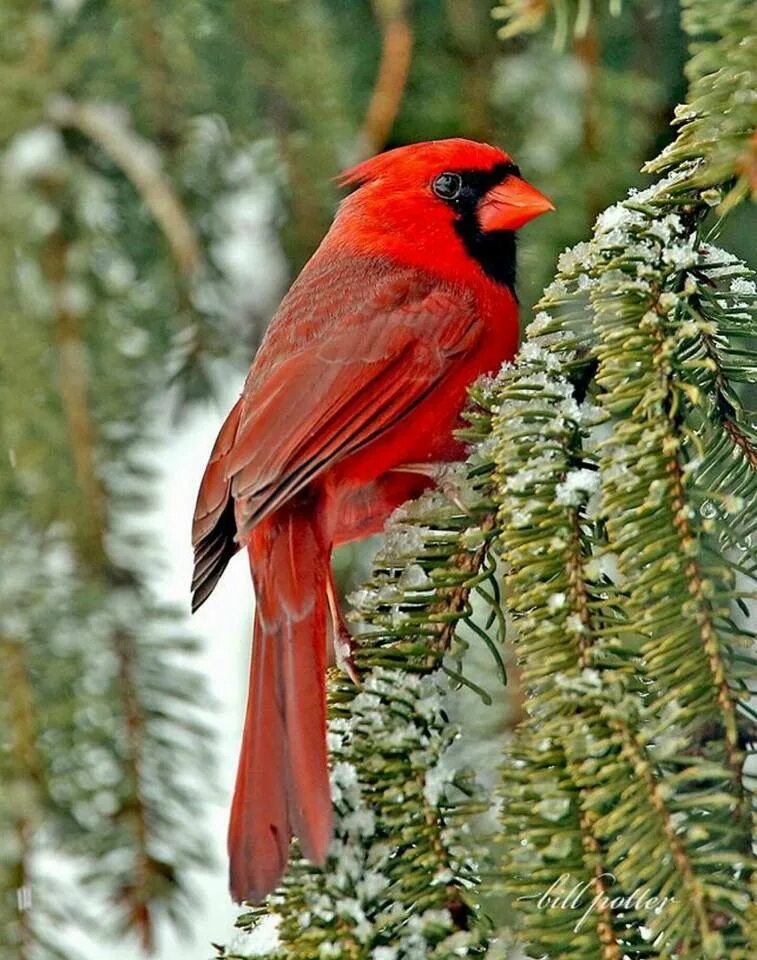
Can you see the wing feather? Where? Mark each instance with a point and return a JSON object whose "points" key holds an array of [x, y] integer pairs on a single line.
{"points": [[305, 407]]}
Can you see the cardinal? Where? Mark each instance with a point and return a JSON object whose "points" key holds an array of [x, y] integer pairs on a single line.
{"points": [[348, 409]]}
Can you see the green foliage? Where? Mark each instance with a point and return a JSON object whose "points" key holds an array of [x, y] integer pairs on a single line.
{"points": [[528, 16]]}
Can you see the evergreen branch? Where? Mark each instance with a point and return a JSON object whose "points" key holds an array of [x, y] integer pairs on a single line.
{"points": [[742, 441], [140, 164], [93, 559], [618, 269], [300, 100], [721, 70], [528, 16]]}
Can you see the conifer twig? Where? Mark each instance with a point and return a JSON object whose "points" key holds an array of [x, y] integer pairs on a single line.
{"points": [[138, 160]]}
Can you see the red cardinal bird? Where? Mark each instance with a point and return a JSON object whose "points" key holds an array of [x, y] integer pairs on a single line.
{"points": [[350, 401]]}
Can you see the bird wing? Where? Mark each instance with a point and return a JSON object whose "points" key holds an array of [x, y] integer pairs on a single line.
{"points": [[371, 361]]}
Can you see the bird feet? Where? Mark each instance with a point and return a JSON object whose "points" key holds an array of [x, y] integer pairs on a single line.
{"points": [[344, 646], [446, 477], [344, 643]]}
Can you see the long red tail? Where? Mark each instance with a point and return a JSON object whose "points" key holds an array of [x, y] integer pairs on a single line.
{"points": [[282, 787]]}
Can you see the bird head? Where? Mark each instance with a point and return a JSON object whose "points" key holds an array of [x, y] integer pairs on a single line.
{"points": [[448, 205]]}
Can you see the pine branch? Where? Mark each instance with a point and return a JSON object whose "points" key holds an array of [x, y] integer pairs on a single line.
{"points": [[94, 562], [528, 16], [116, 712], [140, 163]]}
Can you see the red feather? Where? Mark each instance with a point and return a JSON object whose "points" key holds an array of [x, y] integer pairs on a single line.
{"points": [[363, 369]]}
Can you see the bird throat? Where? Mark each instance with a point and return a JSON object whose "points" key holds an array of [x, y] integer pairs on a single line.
{"points": [[493, 251]]}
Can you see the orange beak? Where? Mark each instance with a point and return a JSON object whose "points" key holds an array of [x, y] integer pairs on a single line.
{"points": [[511, 204]]}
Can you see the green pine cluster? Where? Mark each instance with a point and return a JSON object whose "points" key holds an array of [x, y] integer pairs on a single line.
{"points": [[611, 486]]}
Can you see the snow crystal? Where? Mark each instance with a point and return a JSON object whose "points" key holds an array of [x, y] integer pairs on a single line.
{"points": [[616, 217], [591, 414], [574, 624], [360, 823], [574, 258], [742, 285], [576, 484], [371, 884], [414, 577], [384, 953], [553, 808], [435, 782], [402, 541], [540, 323], [366, 701], [344, 784], [531, 352], [666, 227], [260, 941], [388, 593], [362, 599], [38, 152], [556, 289], [556, 601], [680, 256]]}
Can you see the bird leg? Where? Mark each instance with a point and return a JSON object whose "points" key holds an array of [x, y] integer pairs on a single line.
{"points": [[442, 473], [342, 639]]}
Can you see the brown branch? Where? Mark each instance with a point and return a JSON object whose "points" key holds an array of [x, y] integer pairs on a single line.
{"points": [[636, 753], [704, 617], [705, 622], [73, 386], [22, 734], [140, 163], [138, 895], [605, 928], [391, 79], [456, 599], [736, 434]]}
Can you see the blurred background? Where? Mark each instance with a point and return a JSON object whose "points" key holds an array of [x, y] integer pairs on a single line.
{"points": [[166, 167]]}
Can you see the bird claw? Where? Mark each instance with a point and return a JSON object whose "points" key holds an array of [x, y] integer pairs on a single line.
{"points": [[441, 473], [344, 646]]}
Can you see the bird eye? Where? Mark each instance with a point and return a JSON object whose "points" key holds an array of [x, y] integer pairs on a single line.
{"points": [[447, 185]]}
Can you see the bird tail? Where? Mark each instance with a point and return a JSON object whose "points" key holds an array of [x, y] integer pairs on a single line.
{"points": [[282, 788]]}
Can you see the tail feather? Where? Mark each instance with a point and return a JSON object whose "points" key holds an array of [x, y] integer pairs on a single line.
{"points": [[259, 831], [282, 786]]}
